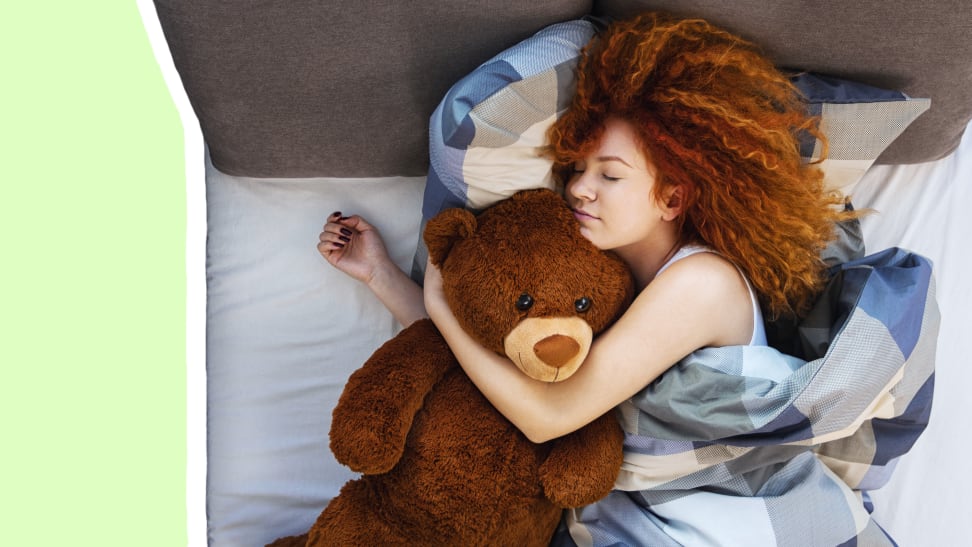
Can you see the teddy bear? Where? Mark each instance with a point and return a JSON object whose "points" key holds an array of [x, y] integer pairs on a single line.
{"points": [[439, 465]]}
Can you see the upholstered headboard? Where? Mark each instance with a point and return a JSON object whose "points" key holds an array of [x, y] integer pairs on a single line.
{"points": [[340, 88], [345, 89]]}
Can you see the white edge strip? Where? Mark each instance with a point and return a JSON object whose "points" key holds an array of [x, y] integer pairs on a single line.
{"points": [[195, 282]]}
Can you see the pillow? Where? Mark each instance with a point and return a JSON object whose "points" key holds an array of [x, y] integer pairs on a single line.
{"points": [[485, 135], [284, 330], [860, 121]]}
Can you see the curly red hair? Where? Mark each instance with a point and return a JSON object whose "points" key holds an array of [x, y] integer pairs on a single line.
{"points": [[716, 118]]}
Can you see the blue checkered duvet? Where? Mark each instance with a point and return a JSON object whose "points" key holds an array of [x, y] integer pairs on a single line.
{"points": [[752, 446]]}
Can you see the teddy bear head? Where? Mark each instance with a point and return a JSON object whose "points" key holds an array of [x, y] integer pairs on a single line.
{"points": [[524, 282]]}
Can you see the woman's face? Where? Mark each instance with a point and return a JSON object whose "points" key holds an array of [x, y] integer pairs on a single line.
{"points": [[612, 192]]}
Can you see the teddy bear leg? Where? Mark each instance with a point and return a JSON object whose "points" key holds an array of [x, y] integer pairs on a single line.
{"points": [[354, 518], [600, 445], [375, 412]]}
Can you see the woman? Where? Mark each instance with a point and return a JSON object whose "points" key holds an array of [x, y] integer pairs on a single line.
{"points": [[680, 154]]}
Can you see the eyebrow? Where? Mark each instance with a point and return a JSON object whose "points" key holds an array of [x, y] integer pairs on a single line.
{"points": [[613, 158]]}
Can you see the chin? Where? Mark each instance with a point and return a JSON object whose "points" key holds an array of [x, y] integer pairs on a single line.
{"points": [[594, 240], [588, 236]]}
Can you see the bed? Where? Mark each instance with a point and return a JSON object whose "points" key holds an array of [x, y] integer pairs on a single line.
{"points": [[297, 109]]}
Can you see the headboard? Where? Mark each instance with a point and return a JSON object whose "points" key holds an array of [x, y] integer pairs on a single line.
{"points": [[341, 88], [265, 79]]}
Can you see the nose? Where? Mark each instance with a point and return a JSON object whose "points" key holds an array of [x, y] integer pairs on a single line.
{"points": [[556, 350], [580, 187]]}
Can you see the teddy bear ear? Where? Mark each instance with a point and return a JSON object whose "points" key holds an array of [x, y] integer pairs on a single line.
{"points": [[445, 230]]}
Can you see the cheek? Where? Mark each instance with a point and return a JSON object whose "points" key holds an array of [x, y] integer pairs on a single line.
{"points": [[629, 221], [640, 207]]}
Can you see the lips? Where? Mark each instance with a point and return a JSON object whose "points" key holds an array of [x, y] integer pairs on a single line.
{"points": [[582, 215]]}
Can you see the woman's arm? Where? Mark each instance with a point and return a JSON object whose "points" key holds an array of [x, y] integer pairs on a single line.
{"points": [[355, 247], [699, 301], [399, 293]]}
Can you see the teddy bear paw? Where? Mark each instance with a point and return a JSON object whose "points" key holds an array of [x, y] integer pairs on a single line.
{"points": [[367, 450]]}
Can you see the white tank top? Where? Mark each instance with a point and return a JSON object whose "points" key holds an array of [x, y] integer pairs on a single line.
{"points": [[759, 331]]}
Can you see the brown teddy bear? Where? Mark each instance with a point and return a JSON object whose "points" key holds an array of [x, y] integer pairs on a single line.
{"points": [[440, 466]]}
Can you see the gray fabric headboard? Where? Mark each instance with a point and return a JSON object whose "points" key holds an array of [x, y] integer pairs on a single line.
{"points": [[341, 88], [297, 88]]}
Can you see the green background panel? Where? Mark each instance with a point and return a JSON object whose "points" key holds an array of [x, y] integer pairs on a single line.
{"points": [[92, 340]]}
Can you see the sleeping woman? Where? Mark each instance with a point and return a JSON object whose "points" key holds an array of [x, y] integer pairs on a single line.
{"points": [[680, 154]]}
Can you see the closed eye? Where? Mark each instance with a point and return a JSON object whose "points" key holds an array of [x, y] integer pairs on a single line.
{"points": [[603, 175]]}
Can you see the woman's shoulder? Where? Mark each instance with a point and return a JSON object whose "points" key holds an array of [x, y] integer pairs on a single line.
{"points": [[692, 261], [697, 286]]}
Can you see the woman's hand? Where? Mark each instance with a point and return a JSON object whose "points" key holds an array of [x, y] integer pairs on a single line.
{"points": [[353, 246], [435, 301]]}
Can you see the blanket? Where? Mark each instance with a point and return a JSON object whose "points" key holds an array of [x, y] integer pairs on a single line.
{"points": [[751, 445]]}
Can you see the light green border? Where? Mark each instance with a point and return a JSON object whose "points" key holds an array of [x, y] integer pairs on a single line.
{"points": [[92, 340]]}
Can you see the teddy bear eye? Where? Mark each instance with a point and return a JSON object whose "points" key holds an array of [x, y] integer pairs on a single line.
{"points": [[582, 304], [524, 302]]}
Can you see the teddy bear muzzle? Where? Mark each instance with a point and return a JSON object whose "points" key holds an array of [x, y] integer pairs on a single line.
{"points": [[549, 349]]}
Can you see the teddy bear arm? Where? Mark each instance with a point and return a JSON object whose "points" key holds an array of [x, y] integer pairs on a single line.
{"points": [[375, 412], [582, 466]]}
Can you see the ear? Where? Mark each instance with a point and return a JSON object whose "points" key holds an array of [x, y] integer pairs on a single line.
{"points": [[673, 202], [445, 230]]}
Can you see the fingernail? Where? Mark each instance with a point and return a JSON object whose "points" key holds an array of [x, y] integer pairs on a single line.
{"points": [[336, 214], [344, 238], [339, 245], [344, 218], [346, 232]]}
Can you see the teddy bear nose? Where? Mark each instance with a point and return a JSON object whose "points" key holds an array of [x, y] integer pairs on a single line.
{"points": [[556, 350]]}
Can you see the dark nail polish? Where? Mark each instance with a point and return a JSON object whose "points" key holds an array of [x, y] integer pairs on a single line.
{"points": [[336, 214], [339, 245], [346, 232], [344, 238], [344, 218]]}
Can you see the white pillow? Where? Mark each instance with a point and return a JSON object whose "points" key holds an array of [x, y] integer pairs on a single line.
{"points": [[284, 332]]}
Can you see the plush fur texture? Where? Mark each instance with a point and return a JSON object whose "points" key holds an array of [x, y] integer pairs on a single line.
{"points": [[440, 466]]}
